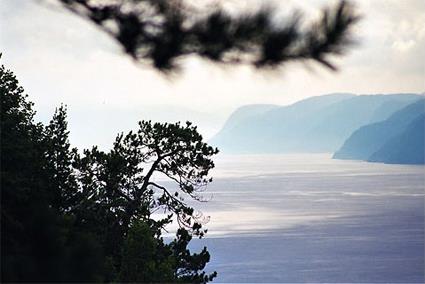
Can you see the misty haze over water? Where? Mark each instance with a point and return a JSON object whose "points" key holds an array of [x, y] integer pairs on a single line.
{"points": [[308, 218]]}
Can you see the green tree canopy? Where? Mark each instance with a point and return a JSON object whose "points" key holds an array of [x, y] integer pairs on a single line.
{"points": [[72, 216]]}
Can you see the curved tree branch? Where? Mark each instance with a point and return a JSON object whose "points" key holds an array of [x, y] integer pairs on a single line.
{"points": [[160, 32]]}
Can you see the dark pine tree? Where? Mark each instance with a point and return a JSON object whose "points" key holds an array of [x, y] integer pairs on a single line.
{"points": [[71, 217]]}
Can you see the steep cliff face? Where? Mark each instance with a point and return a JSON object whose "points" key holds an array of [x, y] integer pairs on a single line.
{"points": [[317, 124], [406, 147], [369, 139]]}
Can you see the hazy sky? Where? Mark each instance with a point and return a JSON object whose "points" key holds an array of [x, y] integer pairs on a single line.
{"points": [[61, 58]]}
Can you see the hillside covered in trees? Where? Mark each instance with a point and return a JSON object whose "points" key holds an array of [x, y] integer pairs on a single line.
{"points": [[87, 216], [396, 140], [353, 126]]}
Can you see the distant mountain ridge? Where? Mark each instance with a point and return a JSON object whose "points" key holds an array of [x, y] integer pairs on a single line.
{"points": [[316, 124], [398, 139], [405, 148]]}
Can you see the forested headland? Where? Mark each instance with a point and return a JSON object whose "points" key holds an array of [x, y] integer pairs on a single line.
{"points": [[70, 215]]}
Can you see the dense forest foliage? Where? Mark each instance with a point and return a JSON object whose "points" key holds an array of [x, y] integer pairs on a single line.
{"points": [[69, 215]]}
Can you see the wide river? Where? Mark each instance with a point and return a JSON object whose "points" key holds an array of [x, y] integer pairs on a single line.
{"points": [[308, 218]]}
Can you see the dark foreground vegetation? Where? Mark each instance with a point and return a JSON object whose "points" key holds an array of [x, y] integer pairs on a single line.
{"points": [[161, 33], [71, 216]]}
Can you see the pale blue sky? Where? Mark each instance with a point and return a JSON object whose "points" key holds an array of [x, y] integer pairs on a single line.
{"points": [[61, 58]]}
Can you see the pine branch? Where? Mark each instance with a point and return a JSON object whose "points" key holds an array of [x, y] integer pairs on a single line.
{"points": [[160, 32]]}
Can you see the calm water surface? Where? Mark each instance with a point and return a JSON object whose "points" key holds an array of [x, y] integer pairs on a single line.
{"points": [[308, 218]]}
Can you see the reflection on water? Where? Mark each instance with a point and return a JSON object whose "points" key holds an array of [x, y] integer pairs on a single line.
{"points": [[308, 218], [262, 166]]}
